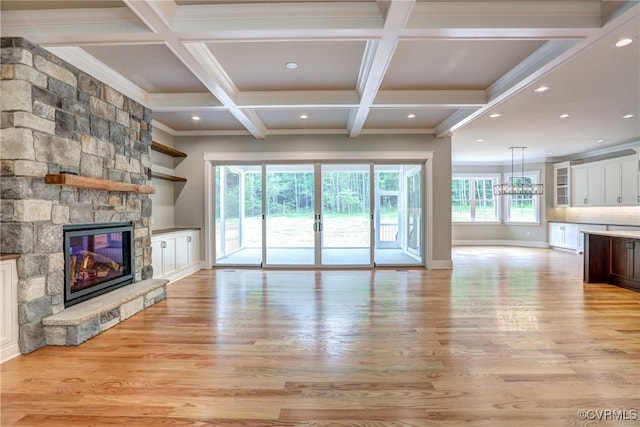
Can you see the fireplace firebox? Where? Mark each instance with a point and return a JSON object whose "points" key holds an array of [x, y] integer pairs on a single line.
{"points": [[98, 259]]}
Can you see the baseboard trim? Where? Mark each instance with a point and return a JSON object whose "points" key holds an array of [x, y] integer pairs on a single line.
{"points": [[522, 243], [182, 273], [440, 264]]}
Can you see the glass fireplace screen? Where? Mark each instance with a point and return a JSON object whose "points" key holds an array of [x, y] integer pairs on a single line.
{"points": [[97, 259]]}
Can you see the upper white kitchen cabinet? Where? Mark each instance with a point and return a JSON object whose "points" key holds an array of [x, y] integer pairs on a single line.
{"points": [[612, 182], [588, 185], [621, 182]]}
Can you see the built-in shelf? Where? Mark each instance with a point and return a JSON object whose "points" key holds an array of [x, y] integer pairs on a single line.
{"points": [[169, 151], [78, 181], [164, 149], [167, 177]]}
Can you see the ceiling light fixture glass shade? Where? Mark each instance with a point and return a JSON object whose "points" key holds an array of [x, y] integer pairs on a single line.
{"points": [[518, 185]]}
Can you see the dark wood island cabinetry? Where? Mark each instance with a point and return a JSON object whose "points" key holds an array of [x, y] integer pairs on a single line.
{"points": [[613, 257]]}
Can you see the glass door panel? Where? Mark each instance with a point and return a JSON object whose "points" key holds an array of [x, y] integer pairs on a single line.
{"points": [[290, 217], [238, 225], [414, 211], [345, 220], [398, 214]]}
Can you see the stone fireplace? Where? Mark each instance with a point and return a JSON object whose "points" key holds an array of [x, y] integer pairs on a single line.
{"points": [[59, 120]]}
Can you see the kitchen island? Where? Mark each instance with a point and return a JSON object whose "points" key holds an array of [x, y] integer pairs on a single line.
{"points": [[612, 257]]}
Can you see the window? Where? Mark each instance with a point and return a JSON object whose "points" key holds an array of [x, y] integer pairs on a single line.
{"points": [[522, 208], [472, 199]]}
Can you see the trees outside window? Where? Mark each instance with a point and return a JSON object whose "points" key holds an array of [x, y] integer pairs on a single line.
{"points": [[472, 199]]}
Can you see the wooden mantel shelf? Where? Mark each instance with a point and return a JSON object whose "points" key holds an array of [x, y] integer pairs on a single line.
{"points": [[78, 181]]}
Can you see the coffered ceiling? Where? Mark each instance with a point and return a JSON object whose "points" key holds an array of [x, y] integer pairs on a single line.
{"points": [[265, 68]]}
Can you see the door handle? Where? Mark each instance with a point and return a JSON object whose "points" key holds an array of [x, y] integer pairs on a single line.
{"points": [[315, 227]]}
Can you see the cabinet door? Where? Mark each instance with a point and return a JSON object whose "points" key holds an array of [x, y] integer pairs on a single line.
{"points": [[635, 262], [561, 187], [194, 248], [579, 187], [612, 182], [629, 182], [183, 242], [8, 308], [619, 262], [595, 185], [156, 257], [168, 256], [571, 236], [556, 234]]}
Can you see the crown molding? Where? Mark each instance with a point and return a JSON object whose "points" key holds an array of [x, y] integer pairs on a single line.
{"points": [[184, 102], [82, 60], [163, 127]]}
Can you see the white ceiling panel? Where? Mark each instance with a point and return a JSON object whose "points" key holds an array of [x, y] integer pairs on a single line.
{"points": [[153, 67], [454, 64], [324, 119], [320, 65], [406, 118]]}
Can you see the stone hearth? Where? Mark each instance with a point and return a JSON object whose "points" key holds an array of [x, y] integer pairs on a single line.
{"points": [[56, 118]]}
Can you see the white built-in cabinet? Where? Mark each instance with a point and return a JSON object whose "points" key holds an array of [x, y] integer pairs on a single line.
{"points": [[175, 254], [9, 307], [612, 182], [563, 235]]}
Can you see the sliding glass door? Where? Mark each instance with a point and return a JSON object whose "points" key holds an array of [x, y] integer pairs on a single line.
{"points": [[346, 214], [238, 214], [319, 214], [398, 214], [290, 215]]}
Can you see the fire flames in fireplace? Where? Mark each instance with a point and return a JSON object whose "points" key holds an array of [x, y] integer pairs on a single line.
{"points": [[103, 262]]}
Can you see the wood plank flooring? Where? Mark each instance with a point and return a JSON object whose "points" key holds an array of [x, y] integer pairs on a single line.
{"points": [[510, 337]]}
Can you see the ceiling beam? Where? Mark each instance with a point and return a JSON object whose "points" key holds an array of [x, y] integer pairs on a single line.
{"points": [[197, 58], [378, 59]]}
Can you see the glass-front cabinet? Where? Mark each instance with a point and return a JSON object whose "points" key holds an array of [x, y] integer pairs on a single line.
{"points": [[561, 184]]}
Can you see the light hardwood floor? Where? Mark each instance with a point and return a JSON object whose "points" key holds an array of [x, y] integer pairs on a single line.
{"points": [[510, 337]]}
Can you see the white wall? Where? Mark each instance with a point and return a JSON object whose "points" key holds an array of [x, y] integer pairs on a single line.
{"points": [[189, 211]]}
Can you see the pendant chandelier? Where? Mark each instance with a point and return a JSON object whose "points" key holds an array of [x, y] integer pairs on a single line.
{"points": [[518, 185]]}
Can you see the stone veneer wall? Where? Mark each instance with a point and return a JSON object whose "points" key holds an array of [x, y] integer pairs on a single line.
{"points": [[57, 118]]}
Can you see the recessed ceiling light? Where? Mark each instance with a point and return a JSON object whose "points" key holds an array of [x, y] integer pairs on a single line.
{"points": [[292, 65], [494, 115], [479, 140], [564, 116], [195, 118], [628, 116], [411, 116], [624, 42], [540, 89], [600, 140], [304, 116], [549, 153]]}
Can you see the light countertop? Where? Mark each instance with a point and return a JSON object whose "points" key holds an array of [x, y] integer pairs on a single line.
{"points": [[614, 233]]}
